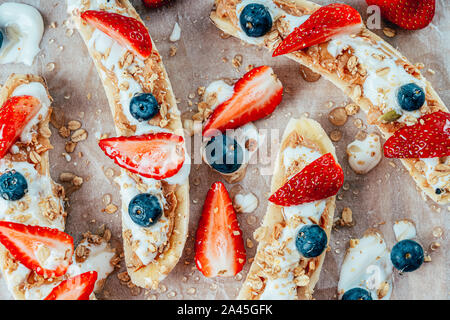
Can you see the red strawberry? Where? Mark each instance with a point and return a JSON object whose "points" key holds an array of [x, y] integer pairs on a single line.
{"points": [[27, 245], [79, 287], [320, 179], [128, 31], [154, 155], [429, 138], [154, 3], [219, 247], [256, 95], [324, 24], [15, 114], [408, 14]]}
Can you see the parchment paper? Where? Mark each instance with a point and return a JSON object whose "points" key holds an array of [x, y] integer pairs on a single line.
{"points": [[382, 196]]}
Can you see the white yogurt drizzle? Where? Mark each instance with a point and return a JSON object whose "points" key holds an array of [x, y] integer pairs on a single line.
{"points": [[22, 27], [364, 155], [367, 265], [283, 286]]}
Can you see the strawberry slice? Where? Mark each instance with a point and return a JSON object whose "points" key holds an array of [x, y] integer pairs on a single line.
{"points": [[255, 96], [154, 3], [428, 138], [154, 155], [127, 31], [15, 114], [408, 14], [79, 287], [324, 24], [44, 250], [219, 246], [320, 179]]}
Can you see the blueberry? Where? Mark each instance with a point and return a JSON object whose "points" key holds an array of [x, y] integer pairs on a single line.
{"points": [[224, 154], [143, 106], [357, 294], [438, 191], [311, 240], [255, 20], [13, 185], [145, 209], [410, 97], [407, 255]]}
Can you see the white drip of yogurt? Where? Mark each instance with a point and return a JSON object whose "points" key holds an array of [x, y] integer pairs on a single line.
{"points": [[367, 265], [404, 229], [22, 27]]}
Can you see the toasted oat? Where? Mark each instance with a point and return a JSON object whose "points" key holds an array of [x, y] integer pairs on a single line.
{"points": [[389, 32], [66, 177], [77, 181], [74, 125], [110, 208], [79, 135], [172, 51]]}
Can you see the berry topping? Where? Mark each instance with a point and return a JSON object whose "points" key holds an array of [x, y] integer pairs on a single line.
{"points": [[13, 185], [407, 255], [219, 246], [256, 95], [15, 114], [410, 97], [320, 179], [255, 20], [311, 240], [143, 106], [324, 24], [145, 209], [224, 154], [154, 3], [79, 287], [428, 138], [44, 250], [155, 155], [357, 294], [127, 31], [408, 14]]}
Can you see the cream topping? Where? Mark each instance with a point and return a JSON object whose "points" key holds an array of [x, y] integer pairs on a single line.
{"points": [[22, 27], [245, 203]]}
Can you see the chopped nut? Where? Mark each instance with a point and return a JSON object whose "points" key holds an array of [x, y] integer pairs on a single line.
{"points": [[70, 146], [77, 181]]}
